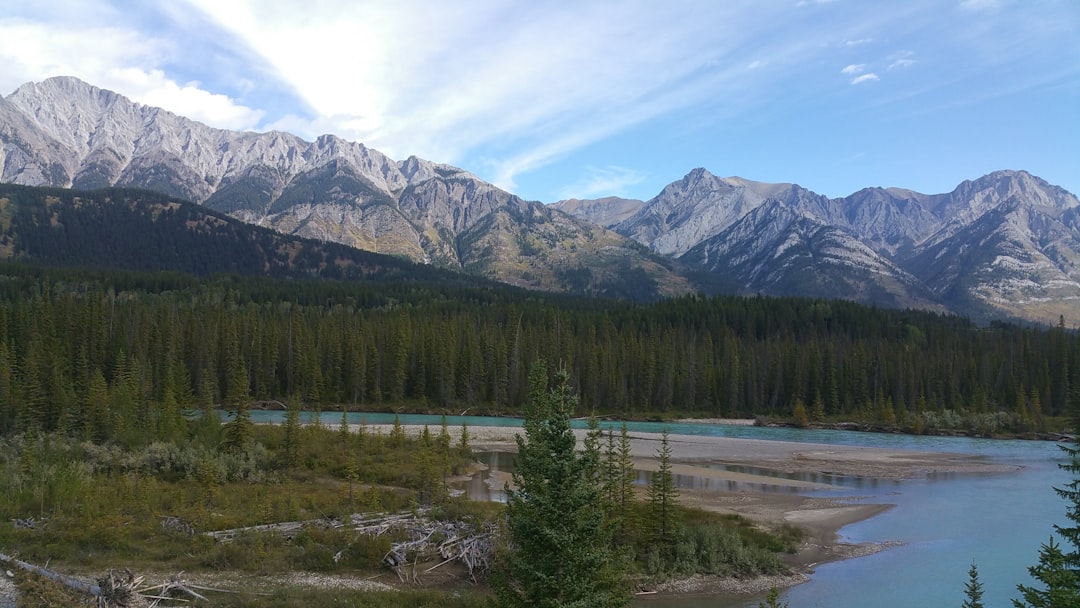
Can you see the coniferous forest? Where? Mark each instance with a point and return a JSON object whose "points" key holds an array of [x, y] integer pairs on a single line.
{"points": [[114, 355], [100, 370]]}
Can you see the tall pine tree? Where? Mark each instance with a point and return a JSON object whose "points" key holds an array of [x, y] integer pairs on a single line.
{"points": [[559, 547]]}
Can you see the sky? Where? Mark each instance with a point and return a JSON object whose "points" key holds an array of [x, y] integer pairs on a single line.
{"points": [[591, 98]]}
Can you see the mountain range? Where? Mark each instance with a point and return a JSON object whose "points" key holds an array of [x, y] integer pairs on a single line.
{"points": [[1005, 245]]}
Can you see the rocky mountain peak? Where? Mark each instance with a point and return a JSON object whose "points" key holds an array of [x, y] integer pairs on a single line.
{"points": [[1007, 241]]}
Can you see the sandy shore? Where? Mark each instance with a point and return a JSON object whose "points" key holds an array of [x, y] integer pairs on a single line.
{"points": [[732, 480], [740, 476]]}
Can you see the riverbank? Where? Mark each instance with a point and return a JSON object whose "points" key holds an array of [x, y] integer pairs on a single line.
{"points": [[769, 482]]}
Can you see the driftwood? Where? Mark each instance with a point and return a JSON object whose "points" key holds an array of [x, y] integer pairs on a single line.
{"points": [[63, 579], [123, 589], [427, 540], [29, 523], [171, 523]]}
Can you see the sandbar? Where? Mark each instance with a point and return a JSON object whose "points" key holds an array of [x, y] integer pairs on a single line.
{"points": [[774, 483]]}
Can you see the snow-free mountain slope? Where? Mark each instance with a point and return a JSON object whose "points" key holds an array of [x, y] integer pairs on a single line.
{"points": [[64, 132], [1004, 245]]}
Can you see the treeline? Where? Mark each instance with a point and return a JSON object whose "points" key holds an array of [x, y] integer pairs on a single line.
{"points": [[106, 353]]}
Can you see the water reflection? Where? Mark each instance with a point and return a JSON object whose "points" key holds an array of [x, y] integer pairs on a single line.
{"points": [[487, 484]]}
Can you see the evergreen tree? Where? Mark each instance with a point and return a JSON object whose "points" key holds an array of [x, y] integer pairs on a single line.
{"points": [[343, 427], [662, 496], [1071, 491], [397, 433], [239, 430], [973, 589], [1057, 569], [463, 446], [625, 490], [1060, 585], [292, 432], [772, 600], [559, 552]]}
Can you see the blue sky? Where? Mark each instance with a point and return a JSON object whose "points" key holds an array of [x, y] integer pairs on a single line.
{"points": [[590, 98]]}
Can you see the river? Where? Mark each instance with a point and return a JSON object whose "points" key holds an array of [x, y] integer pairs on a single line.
{"points": [[942, 523]]}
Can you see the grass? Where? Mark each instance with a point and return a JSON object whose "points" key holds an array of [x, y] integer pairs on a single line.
{"points": [[101, 507]]}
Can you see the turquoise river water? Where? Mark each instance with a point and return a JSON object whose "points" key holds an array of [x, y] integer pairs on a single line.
{"points": [[942, 523]]}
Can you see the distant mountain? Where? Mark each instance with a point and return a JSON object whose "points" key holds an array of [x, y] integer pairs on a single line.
{"points": [[64, 132], [1005, 245], [604, 212], [779, 249]]}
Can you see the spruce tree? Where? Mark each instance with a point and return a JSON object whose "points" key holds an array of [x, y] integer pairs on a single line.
{"points": [[559, 548], [663, 496], [292, 432], [239, 430], [772, 600], [1058, 569], [973, 589], [1058, 579]]}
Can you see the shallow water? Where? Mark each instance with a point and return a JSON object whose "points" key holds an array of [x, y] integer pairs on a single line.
{"points": [[943, 522]]}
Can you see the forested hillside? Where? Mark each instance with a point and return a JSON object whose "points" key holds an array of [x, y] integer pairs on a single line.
{"points": [[142, 230], [121, 355]]}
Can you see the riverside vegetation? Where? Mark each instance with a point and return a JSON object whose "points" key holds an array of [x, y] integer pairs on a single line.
{"points": [[85, 505]]}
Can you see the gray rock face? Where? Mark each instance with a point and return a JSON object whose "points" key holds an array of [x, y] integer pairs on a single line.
{"points": [[1004, 245], [66, 133], [606, 212]]}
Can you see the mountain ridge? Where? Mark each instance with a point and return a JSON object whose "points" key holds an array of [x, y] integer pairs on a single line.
{"points": [[68, 133], [1006, 244]]}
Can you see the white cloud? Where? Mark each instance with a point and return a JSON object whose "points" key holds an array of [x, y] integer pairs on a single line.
{"points": [[193, 102], [868, 77], [854, 68], [448, 84], [903, 59], [113, 58], [612, 180], [858, 42]]}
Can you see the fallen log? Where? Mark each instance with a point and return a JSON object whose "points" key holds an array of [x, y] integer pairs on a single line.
{"points": [[63, 579]]}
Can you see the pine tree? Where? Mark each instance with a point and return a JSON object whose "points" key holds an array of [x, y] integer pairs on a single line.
{"points": [[239, 430], [663, 496], [559, 551], [464, 449], [973, 589], [397, 433], [292, 432], [772, 600], [1057, 569], [343, 427], [625, 494], [1059, 580]]}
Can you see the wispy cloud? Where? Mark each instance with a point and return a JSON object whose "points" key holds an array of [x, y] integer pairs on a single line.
{"points": [[903, 59], [424, 78], [504, 89], [979, 5], [612, 180]]}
